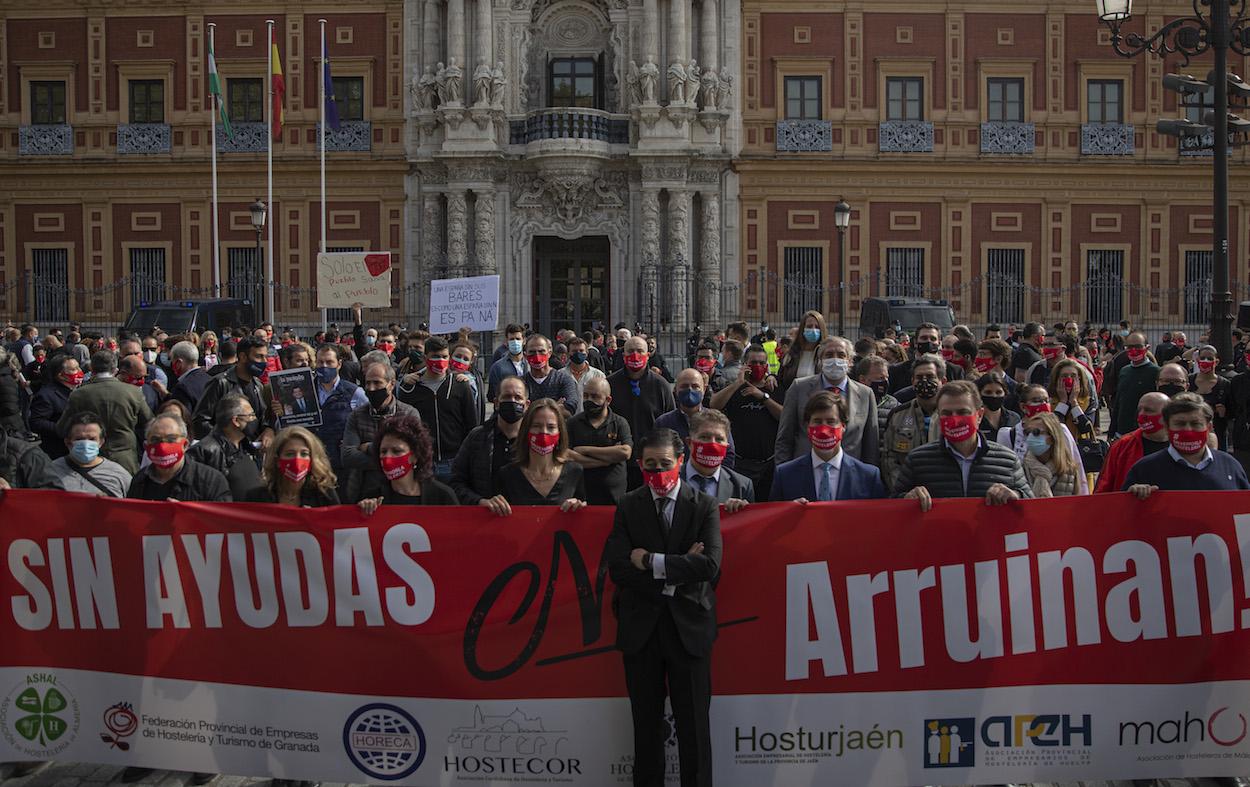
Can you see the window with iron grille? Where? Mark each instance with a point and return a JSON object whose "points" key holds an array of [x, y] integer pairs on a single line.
{"points": [[47, 103], [1004, 278], [147, 101], [51, 284], [245, 277], [1198, 271], [1104, 285], [804, 281], [803, 98], [341, 316], [573, 82], [1004, 100], [1195, 113], [349, 97], [147, 276], [246, 100], [904, 98], [904, 270], [1105, 100]]}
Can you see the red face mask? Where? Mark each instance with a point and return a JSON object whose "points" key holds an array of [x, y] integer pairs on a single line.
{"points": [[210, 344], [1136, 354], [825, 437], [295, 468], [1069, 383], [1188, 441], [437, 365], [636, 362], [136, 382], [957, 428], [543, 443], [1034, 409], [947, 353], [1150, 423], [984, 365], [709, 454], [1178, 342], [704, 365], [1206, 367], [458, 365], [662, 481], [537, 359], [757, 372], [74, 380], [1051, 353], [166, 454], [396, 467], [386, 347]]}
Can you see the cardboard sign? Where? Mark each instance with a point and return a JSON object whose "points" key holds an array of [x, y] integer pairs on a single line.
{"points": [[345, 278], [471, 302], [296, 392]]}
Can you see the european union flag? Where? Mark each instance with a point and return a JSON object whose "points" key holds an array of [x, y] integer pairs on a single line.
{"points": [[332, 109]]}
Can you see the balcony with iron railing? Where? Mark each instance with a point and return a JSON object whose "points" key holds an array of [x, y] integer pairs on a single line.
{"points": [[1016, 139], [905, 136], [1107, 139], [143, 138], [804, 136], [45, 140], [570, 123]]}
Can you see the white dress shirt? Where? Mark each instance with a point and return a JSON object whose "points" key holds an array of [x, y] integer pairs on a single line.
{"points": [[965, 462], [1207, 458], [835, 467], [657, 559]]}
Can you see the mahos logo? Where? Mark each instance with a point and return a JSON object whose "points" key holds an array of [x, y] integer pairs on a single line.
{"points": [[384, 741], [1224, 727]]}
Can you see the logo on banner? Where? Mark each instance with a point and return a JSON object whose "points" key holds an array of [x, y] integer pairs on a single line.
{"points": [[40, 717], [1224, 727], [950, 743], [384, 741], [509, 744], [121, 721], [1037, 740]]}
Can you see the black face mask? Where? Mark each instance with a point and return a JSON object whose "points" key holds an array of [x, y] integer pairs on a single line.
{"points": [[926, 348], [377, 397], [251, 429], [620, 342], [416, 358], [992, 403], [510, 412], [880, 387], [593, 409], [926, 388], [1171, 389]]}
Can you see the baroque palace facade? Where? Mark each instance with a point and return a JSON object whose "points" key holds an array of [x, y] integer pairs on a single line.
{"points": [[675, 162]]}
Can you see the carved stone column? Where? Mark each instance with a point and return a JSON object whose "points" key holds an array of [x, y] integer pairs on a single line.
{"points": [[709, 50], [455, 37], [484, 216], [457, 233], [677, 272], [484, 27], [678, 35], [432, 235], [709, 262], [431, 51], [649, 232], [650, 32]]}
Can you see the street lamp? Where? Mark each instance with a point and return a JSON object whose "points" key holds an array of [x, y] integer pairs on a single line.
{"points": [[259, 209], [1216, 30], [841, 219]]}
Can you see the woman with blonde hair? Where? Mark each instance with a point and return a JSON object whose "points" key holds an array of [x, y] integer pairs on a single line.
{"points": [[296, 472], [1072, 398], [801, 360], [1049, 464], [208, 349]]}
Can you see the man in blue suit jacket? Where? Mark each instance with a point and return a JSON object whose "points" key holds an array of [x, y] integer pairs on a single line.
{"points": [[826, 472]]}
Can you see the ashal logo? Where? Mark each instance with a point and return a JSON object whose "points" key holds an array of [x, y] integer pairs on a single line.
{"points": [[384, 741], [1224, 727], [510, 744], [950, 743], [40, 717], [121, 722]]}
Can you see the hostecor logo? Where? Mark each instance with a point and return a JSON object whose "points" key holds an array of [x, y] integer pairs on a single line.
{"points": [[384, 741], [950, 743]]}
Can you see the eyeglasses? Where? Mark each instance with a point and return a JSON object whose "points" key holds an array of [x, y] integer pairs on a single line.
{"points": [[1036, 432]]}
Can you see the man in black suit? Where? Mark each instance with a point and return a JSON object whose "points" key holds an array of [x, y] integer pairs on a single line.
{"points": [[705, 469], [664, 556]]}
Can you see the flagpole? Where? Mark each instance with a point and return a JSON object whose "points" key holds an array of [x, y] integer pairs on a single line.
{"points": [[269, 315], [322, 115], [213, 136]]}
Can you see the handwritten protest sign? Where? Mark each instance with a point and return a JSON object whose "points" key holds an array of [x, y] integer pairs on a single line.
{"points": [[345, 278], [471, 302]]}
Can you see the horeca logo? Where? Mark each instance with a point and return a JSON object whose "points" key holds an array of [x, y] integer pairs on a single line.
{"points": [[949, 743], [384, 741]]}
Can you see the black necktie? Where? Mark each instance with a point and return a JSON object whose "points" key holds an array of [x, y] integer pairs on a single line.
{"points": [[661, 504]]}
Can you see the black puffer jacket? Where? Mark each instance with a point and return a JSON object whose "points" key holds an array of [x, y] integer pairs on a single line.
{"points": [[24, 466], [934, 467]]}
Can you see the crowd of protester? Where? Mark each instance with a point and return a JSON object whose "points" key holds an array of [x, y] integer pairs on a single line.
{"points": [[409, 418]]}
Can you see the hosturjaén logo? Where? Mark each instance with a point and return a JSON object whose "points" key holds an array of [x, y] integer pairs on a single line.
{"points": [[384, 741], [950, 743]]}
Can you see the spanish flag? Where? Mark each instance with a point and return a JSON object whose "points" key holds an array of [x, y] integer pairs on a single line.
{"points": [[278, 87]]}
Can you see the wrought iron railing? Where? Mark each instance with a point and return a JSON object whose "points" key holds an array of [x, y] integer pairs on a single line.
{"points": [[1008, 138], [1107, 139], [905, 136], [143, 138], [570, 123], [55, 140], [804, 136]]}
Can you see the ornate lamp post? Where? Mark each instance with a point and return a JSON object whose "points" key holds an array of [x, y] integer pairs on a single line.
{"points": [[1216, 26], [259, 210], [842, 219]]}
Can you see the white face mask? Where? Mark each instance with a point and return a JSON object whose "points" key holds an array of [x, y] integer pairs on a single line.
{"points": [[834, 369]]}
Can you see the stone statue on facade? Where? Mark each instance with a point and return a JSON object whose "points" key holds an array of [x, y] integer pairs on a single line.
{"points": [[481, 83], [440, 83], [648, 79], [424, 90], [633, 85], [726, 88], [676, 84], [498, 83], [692, 83], [455, 82], [710, 83]]}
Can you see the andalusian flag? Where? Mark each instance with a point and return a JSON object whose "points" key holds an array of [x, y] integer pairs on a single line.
{"points": [[279, 88], [214, 89]]}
